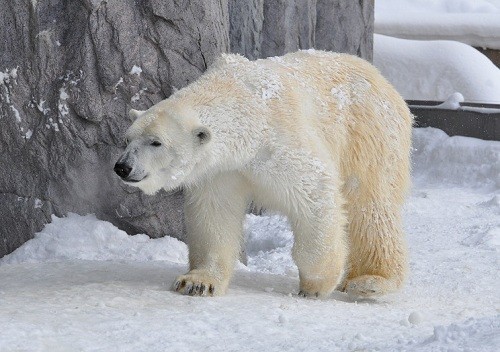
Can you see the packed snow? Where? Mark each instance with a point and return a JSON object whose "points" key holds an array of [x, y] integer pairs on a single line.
{"points": [[434, 70], [82, 284], [453, 102], [474, 22], [424, 48]]}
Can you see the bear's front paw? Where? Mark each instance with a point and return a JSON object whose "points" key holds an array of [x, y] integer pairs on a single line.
{"points": [[198, 284]]}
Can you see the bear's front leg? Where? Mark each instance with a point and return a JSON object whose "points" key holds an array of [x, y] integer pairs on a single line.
{"points": [[320, 250], [214, 213]]}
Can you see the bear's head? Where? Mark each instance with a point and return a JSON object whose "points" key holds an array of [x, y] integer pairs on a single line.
{"points": [[165, 149]]}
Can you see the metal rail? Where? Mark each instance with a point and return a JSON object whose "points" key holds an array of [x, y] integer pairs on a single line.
{"points": [[479, 120]]}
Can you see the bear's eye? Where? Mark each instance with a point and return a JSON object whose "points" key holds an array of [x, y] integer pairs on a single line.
{"points": [[155, 144]]}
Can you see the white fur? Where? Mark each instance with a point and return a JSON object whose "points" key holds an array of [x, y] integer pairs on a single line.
{"points": [[321, 137]]}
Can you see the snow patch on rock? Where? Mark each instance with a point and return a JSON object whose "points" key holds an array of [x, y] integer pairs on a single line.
{"points": [[136, 70]]}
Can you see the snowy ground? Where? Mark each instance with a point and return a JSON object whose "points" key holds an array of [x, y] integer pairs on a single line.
{"points": [[83, 285]]}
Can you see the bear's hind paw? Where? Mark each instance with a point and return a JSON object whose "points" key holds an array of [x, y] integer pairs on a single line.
{"points": [[368, 286], [306, 294]]}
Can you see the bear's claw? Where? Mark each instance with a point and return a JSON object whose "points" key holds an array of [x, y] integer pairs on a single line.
{"points": [[308, 295], [369, 286], [192, 286]]}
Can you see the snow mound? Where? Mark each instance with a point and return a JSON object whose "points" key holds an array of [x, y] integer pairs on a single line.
{"points": [[493, 203], [87, 238], [269, 241], [474, 22], [460, 161], [434, 70], [452, 103], [471, 335], [437, 6]]}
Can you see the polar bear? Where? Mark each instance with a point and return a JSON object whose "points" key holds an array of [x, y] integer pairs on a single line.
{"points": [[320, 137]]}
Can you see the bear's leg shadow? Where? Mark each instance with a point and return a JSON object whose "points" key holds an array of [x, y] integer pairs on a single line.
{"points": [[320, 251], [214, 224], [378, 255]]}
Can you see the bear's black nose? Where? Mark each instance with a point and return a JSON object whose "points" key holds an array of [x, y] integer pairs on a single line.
{"points": [[122, 170]]}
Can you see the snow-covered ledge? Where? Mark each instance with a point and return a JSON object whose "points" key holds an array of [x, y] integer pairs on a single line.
{"points": [[457, 117]]}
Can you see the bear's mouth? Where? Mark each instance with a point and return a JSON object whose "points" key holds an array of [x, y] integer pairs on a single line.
{"points": [[131, 180]]}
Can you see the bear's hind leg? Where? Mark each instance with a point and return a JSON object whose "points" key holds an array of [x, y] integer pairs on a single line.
{"points": [[378, 255]]}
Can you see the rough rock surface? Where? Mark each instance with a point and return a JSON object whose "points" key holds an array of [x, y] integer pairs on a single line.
{"points": [[70, 71], [262, 28]]}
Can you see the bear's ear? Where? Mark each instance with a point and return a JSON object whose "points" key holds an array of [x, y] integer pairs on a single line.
{"points": [[202, 134], [134, 114]]}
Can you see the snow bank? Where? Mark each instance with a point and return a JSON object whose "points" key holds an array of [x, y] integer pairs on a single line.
{"points": [[87, 238], [474, 22], [438, 6], [77, 237], [434, 70], [461, 161]]}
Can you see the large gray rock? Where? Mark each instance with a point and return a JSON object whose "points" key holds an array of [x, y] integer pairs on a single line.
{"points": [[345, 26], [262, 28], [246, 20], [70, 72]]}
